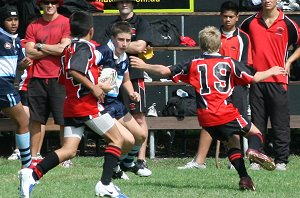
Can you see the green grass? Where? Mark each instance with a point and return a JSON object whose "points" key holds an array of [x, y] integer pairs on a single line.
{"points": [[166, 181]]}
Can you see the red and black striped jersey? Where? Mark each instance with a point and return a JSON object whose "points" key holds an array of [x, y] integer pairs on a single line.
{"points": [[237, 46], [79, 56], [213, 77]]}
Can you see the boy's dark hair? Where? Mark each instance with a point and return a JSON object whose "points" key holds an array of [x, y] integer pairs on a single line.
{"points": [[80, 23], [120, 27], [229, 6]]}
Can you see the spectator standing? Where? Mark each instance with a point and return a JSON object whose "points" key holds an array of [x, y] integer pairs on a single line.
{"points": [[81, 108], [141, 38], [12, 58], [46, 38], [214, 78], [271, 33], [235, 44]]}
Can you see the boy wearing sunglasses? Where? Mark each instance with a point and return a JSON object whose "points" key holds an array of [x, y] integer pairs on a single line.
{"points": [[47, 37]]}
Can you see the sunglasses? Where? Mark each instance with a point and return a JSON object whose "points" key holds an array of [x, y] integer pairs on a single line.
{"points": [[49, 2]]}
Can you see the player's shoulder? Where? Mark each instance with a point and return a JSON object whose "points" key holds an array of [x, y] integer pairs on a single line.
{"points": [[105, 50]]}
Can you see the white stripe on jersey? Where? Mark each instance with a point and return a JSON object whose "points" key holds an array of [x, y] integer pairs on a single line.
{"points": [[8, 66]]}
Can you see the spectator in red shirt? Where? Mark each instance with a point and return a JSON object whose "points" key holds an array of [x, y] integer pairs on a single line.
{"points": [[46, 38], [271, 33]]}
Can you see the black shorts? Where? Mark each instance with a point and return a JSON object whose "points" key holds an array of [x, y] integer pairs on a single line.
{"points": [[239, 126], [24, 97], [135, 107], [46, 96]]}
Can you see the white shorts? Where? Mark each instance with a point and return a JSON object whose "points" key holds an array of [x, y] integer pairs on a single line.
{"points": [[99, 125]]}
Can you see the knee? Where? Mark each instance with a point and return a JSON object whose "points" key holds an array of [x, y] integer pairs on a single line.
{"points": [[129, 141], [140, 139], [23, 125]]}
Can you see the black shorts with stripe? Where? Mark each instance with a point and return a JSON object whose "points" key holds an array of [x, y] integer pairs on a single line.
{"points": [[239, 126]]}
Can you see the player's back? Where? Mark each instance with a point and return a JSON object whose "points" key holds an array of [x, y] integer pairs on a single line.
{"points": [[212, 76]]}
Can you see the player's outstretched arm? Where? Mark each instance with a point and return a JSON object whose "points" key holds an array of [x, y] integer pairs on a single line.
{"points": [[276, 70], [159, 70]]}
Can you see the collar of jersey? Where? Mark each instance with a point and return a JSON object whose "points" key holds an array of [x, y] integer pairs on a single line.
{"points": [[13, 36], [280, 17], [212, 54], [111, 46]]}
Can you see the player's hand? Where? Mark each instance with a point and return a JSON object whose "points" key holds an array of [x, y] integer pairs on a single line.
{"points": [[276, 70], [98, 93], [136, 62], [135, 97], [106, 86], [27, 61]]}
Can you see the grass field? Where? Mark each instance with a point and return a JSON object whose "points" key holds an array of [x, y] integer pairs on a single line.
{"points": [[166, 181]]}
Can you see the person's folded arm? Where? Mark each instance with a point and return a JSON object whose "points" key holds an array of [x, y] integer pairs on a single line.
{"points": [[56, 49]]}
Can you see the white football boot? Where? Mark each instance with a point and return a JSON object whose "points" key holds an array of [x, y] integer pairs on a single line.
{"points": [[27, 183], [108, 190]]}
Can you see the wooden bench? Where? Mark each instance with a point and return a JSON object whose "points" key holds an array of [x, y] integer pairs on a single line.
{"points": [[154, 124], [188, 123]]}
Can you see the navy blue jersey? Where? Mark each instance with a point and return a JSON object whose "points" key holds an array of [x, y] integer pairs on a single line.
{"points": [[108, 59], [10, 55]]}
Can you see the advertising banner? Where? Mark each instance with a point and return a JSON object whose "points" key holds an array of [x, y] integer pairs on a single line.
{"points": [[155, 6]]}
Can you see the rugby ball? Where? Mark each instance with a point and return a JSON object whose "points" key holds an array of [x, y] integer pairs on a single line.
{"points": [[107, 73]]}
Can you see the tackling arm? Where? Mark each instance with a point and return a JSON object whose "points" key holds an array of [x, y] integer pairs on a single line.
{"points": [[159, 70]]}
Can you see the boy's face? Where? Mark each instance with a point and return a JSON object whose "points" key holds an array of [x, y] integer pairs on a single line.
{"points": [[121, 42], [11, 24], [125, 7], [229, 20], [49, 7]]}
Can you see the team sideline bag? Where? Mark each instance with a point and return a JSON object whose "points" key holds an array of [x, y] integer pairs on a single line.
{"points": [[164, 33], [181, 106]]}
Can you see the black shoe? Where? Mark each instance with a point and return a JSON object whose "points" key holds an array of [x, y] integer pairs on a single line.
{"points": [[119, 174], [246, 183], [141, 163], [136, 169]]}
